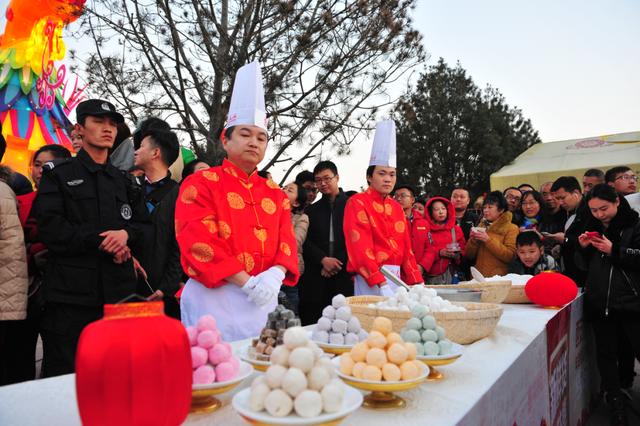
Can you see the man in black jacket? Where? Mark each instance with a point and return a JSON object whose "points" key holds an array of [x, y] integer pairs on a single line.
{"points": [[325, 253], [161, 260], [86, 219]]}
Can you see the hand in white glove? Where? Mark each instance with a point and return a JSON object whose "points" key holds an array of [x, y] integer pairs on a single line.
{"points": [[249, 285], [385, 290], [267, 287]]}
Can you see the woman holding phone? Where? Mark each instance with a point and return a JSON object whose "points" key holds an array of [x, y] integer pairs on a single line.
{"points": [[610, 253]]}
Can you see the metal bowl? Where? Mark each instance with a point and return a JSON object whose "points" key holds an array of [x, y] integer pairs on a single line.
{"points": [[460, 295]]}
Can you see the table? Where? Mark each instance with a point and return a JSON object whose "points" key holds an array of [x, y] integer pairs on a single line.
{"points": [[499, 380]]}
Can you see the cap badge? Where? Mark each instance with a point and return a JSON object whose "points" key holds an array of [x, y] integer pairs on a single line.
{"points": [[106, 107]]}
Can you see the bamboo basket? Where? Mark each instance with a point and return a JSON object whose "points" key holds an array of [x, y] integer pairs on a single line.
{"points": [[477, 322], [492, 291], [517, 295], [465, 327]]}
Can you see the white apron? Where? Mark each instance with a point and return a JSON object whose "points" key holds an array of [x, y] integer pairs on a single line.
{"points": [[237, 317], [361, 288]]}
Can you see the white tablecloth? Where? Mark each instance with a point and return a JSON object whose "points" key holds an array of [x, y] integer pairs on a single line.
{"points": [[472, 392]]}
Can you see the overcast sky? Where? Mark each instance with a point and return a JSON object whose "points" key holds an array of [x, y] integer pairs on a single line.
{"points": [[572, 66]]}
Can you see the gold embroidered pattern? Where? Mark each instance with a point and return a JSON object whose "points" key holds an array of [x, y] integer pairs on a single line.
{"points": [[225, 229], [399, 226], [284, 247], [210, 223], [202, 252], [235, 201], [247, 260], [268, 205], [212, 176], [189, 194], [379, 208]]}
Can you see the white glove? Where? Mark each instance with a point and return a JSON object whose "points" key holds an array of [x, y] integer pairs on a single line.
{"points": [[385, 290], [249, 285], [267, 287]]}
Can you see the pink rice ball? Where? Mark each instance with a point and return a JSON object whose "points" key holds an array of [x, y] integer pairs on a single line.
{"points": [[225, 371], [234, 361], [219, 353], [199, 356], [207, 322], [192, 333], [204, 375], [208, 338]]}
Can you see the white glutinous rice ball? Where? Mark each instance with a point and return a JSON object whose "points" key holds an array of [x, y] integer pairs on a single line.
{"points": [[274, 375], [329, 312], [343, 313], [294, 382], [302, 358], [338, 301], [353, 326], [339, 326], [351, 339], [332, 396], [308, 404], [336, 339], [257, 397], [295, 337], [362, 334], [430, 292], [278, 403], [326, 363], [401, 291], [280, 356], [317, 352], [260, 380], [324, 324], [318, 377], [318, 336]]}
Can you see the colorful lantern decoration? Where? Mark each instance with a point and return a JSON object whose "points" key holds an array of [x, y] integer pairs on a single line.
{"points": [[551, 289], [33, 111], [133, 367]]}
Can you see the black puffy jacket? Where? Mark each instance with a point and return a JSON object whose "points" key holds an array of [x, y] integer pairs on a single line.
{"points": [[613, 282]]}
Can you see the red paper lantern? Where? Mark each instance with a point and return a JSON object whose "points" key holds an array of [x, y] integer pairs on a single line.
{"points": [[133, 367], [551, 289]]}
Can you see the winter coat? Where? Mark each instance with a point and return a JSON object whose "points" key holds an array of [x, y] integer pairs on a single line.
{"points": [[493, 257], [13, 261], [440, 235], [613, 282], [419, 231], [545, 263], [300, 227]]}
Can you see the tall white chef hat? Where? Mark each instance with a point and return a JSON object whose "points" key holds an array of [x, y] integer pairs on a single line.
{"points": [[247, 98], [383, 152]]}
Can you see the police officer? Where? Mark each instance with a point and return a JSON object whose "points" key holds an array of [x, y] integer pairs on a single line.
{"points": [[86, 219]]}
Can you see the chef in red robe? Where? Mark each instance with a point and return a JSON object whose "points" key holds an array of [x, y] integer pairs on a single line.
{"points": [[375, 226], [234, 227]]}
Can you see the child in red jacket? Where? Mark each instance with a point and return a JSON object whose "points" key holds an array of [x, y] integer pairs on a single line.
{"points": [[447, 241]]}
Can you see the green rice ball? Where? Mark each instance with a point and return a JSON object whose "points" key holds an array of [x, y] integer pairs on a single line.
{"points": [[420, 349], [419, 311], [445, 347], [441, 333], [431, 349], [429, 336], [412, 336], [414, 324], [429, 322]]}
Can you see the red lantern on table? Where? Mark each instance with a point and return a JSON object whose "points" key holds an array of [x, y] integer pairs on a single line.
{"points": [[551, 289], [133, 367]]}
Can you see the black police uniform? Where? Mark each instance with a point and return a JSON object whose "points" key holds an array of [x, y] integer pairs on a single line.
{"points": [[77, 200]]}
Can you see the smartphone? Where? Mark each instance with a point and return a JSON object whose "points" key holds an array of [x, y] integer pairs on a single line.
{"points": [[593, 234]]}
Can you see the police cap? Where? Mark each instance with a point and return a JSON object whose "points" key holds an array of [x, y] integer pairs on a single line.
{"points": [[97, 108]]}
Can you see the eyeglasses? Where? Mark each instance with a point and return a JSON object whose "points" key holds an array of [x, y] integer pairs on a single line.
{"points": [[401, 196], [632, 178], [513, 198], [319, 181], [529, 203]]}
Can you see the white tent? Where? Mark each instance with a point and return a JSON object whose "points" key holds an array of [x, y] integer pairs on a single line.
{"points": [[545, 162]]}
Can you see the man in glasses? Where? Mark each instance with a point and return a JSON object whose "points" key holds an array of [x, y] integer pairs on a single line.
{"points": [[513, 196], [325, 253], [305, 179], [623, 180]]}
